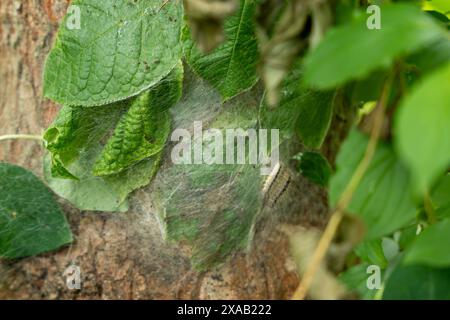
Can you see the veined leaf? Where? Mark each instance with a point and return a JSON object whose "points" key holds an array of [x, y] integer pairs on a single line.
{"points": [[122, 48], [422, 128], [383, 198], [78, 128], [31, 221], [75, 141], [230, 68], [352, 51], [143, 130]]}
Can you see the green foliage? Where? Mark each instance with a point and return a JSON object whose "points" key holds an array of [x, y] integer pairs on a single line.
{"points": [[122, 48], [386, 175], [422, 128], [108, 193], [314, 167], [230, 68], [31, 221], [418, 283], [125, 61], [371, 251], [144, 129], [440, 197], [431, 246], [352, 51], [301, 110]]}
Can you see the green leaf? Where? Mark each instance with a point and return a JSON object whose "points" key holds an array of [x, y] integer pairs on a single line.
{"points": [[230, 68], [100, 193], [422, 129], [371, 251], [122, 48], [301, 110], [143, 130], [407, 236], [431, 246], [31, 221], [352, 51], [418, 283], [314, 167], [442, 6], [76, 137], [441, 197], [77, 128], [431, 57], [383, 198]]}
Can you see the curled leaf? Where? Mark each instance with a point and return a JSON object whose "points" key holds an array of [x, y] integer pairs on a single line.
{"points": [[206, 19]]}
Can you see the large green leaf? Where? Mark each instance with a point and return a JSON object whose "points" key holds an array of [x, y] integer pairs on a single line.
{"points": [[122, 48], [74, 140], [230, 68], [422, 128], [77, 138], [31, 221], [431, 246], [418, 283], [352, 51], [383, 198]]}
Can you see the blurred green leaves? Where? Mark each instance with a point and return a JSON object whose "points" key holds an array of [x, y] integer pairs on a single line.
{"points": [[315, 167], [422, 128], [383, 198], [431, 246], [352, 51], [418, 283], [231, 67]]}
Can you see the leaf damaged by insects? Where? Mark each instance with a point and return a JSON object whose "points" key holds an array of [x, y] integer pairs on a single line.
{"points": [[143, 130]]}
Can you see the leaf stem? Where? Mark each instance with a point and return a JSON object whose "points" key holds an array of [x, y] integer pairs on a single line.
{"points": [[21, 137], [346, 196], [428, 205]]}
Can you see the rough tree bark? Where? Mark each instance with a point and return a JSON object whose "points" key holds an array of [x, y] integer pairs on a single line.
{"points": [[121, 256]]}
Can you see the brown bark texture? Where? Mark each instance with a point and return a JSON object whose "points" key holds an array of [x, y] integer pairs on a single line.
{"points": [[121, 256]]}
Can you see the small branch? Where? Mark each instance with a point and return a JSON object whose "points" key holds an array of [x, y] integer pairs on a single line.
{"points": [[346, 197], [21, 137]]}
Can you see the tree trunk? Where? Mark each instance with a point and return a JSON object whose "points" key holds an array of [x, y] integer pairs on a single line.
{"points": [[121, 256]]}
